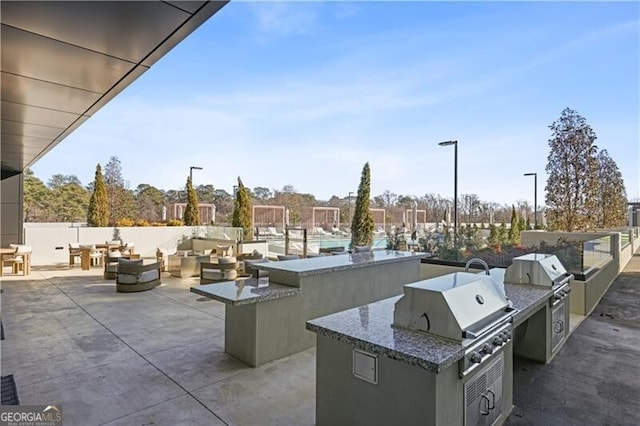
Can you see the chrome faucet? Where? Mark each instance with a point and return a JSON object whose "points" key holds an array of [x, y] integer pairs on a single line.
{"points": [[477, 260]]}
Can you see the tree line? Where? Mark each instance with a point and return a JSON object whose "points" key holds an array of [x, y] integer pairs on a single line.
{"points": [[584, 190]]}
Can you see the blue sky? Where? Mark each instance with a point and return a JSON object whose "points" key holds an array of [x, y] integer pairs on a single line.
{"points": [[304, 93]]}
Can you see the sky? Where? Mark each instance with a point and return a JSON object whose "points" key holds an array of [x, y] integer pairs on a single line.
{"points": [[304, 93]]}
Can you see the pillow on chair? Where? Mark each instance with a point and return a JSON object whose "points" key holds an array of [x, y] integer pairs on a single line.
{"points": [[288, 256], [127, 262]]}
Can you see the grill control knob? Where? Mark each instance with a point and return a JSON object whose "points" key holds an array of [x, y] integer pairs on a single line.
{"points": [[475, 358], [498, 341], [487, 349]]}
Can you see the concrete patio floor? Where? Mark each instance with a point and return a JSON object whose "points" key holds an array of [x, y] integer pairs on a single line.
{"points": [[157, 358]]}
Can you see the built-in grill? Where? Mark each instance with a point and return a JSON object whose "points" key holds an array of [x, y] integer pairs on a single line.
{"points": [[464, 307], [546, 270], [468, 308]]}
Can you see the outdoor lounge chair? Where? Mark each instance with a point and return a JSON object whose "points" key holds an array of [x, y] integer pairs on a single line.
{"points": [[225, 270], [134, 275], [274, 232]]}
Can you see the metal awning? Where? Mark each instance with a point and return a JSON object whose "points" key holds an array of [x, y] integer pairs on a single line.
{"points": [[63, 61]]}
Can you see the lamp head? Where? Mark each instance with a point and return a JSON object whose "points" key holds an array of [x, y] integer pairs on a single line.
{"points": [[530, 174], [195, 168], [447, 143]]}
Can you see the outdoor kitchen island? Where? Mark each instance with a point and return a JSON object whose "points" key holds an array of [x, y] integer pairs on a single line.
{"points": [[371, 371], [263, 322]]}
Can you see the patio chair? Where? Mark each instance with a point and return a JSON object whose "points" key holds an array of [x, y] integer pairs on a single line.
{"points": [[134, 275], [225, 270], [251, 267], [111, 264], [274, 232], [74, 251], [20, 260]]}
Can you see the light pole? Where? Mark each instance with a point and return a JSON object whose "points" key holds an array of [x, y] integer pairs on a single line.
{"points": [[455, 189], [191, 169], [350, 208], [535, 198]]}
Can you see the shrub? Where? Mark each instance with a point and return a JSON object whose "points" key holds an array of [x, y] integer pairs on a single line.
{"points": [[174, 222], [124, 222]]}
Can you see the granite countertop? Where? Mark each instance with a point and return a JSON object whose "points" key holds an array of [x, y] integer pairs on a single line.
{"points": [[245, 292], [526, 298], [324, 264], [369, 328]]}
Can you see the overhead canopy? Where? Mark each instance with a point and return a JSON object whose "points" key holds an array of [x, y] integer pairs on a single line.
{"points": [[63, 61]]}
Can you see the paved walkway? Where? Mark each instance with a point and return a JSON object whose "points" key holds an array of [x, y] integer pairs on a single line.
{"points": [[154, 357], [595, 379], [157, 358]]}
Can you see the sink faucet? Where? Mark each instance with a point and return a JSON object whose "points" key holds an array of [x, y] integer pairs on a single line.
{"points": [[476, 260]]}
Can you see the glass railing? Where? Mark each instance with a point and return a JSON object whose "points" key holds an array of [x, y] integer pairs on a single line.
{"points": [[596, 253], [316, 242], [578, 257]]}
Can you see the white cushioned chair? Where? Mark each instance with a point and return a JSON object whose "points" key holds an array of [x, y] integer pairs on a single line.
{"points": [[134, 275], [225, 270]]}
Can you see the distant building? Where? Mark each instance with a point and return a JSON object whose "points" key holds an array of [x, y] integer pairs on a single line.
{"points": [[207, 212]]}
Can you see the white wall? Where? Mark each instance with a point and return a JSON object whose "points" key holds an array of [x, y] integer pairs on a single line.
{"points": [[51, 243]]}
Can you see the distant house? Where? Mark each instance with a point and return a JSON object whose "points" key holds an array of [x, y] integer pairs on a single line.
{"points": [[207, 212], [634, 213]]}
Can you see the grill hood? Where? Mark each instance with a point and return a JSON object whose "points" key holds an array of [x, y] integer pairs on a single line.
{"points": [[539, 269], [457, 306]]}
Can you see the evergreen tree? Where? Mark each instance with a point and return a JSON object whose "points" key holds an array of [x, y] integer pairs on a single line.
{"points": [[36, 199], [613, 197], [503, 237], [98, 210], [242, 211], [362, 223], [514, 229], [191, 212], [493, 234], [572, 187]]}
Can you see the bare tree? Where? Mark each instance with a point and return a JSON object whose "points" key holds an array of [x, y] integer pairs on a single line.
{"points": [[613, 197], [571, 190]]}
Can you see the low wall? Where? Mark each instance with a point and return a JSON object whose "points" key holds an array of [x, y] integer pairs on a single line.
{"points": [[585, 295], [50, 243]]}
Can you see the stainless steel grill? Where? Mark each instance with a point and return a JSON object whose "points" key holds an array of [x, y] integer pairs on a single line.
{"points": [[546, 270], [464, 307]]}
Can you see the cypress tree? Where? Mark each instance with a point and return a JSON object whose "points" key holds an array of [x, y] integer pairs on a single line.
{"points": [[98, 211], [242, 211], [493, 234], [502, 234], [191, 212], [362, 224], [514, 230]]}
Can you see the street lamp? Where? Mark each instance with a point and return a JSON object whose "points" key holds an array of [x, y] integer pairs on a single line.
{"points": [[191, 169], [455, 188], [535, 198]]}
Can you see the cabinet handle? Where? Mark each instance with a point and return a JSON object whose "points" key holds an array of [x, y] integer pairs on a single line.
{"points": [[559, 326], [484, 397], [492, 405]]}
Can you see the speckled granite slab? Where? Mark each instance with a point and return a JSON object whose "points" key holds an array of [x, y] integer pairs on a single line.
{"points": [[369, 328], [324, 264], [526, 298], [244, 292]]}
